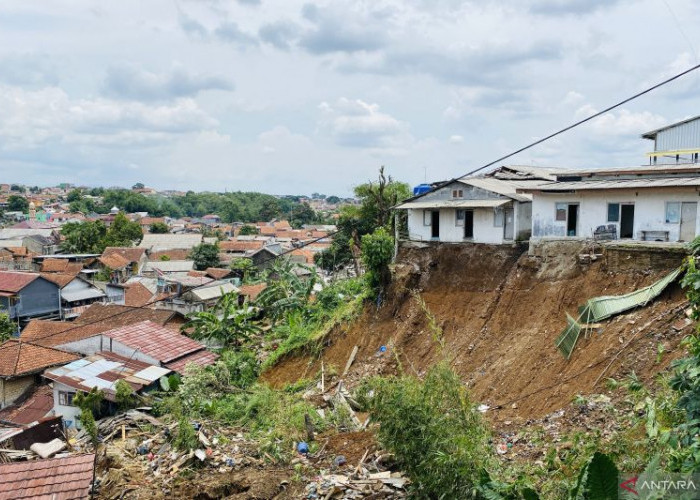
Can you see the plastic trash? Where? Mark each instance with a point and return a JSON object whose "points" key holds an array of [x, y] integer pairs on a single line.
{"points": [[382, 348], [303, 448], [339, 460]]}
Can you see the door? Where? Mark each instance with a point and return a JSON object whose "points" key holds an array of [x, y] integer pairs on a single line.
{"points": [[626, 221], [572, 220], [508, 222], [435, 224], [689, 214], [469, 224]]}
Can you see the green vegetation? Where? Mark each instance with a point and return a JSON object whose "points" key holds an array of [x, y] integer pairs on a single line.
{"points": [[94, 236], [248, 230], [205, 255], [16, 203], [377, 252], [226, 324], [159, 228], [7, 327], [125, 396]]}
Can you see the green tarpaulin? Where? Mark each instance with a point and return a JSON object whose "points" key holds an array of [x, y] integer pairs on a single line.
{"points": [[600, 308]]}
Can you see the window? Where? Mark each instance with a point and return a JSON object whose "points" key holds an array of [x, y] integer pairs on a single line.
{"points": [[561, 211], [673, 212], [457, 193], [613, 212], [459, 218], [65, 398], [498, 217], [427, 217]]}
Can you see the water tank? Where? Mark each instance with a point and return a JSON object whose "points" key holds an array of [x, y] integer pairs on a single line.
{"points": [[421, 189]]}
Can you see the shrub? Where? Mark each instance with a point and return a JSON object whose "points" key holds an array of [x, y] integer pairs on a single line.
{"points": [[377, 252], [186, 438], [124, 396], [434, 431]]}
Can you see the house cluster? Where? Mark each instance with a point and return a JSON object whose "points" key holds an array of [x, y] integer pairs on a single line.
{"points": [[654, 202]]}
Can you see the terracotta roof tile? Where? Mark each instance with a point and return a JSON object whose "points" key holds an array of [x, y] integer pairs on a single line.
{"points": [[132, 254], [114, 261], [240, 246], [54, 265], [19, 358], [252, 291], [13, 282], [137, 295], [156, 341], [59, 278], [35, 406], [218, 273], [96, 319], [64, 478]]}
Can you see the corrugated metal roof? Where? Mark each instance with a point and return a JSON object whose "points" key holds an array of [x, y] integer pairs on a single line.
{"points": [[154, 340], [152, 373], [503, 187], [155, 242], [214, 291], [87, 293], [170, 266], [454, 204], [591, 185]]}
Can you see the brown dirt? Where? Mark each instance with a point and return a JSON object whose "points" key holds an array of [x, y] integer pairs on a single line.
{"points": [[500, 311], [352, 445]]}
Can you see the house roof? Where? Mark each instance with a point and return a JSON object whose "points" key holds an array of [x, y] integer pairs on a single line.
{"points": [[240, 245], [218, 273], [60, 266], [213, 290], [156, 242], [114, 261], [59, 278], [252, 291], [200, 358], [137, 295], [13, 282], [174, 254], [169, 266], [492, 203], [96, 319], [160, 343], [652, 134], [18, 358], [132, 254], [35, 405], [63, 478], [103, 370], [592, 185]]}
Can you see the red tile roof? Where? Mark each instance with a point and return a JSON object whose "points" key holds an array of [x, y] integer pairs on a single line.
{"points": [[96, 319], [19, 358], [218, 273], [137, 295], [14, 282], [63, 478], [59, 278], [240, 246], [114, 261], [201, 358], [34, 407], [252, 291], [132, 254], [156, 341]]}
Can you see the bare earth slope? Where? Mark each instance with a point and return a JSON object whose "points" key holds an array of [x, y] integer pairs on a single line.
{"points": [[500, 311]]}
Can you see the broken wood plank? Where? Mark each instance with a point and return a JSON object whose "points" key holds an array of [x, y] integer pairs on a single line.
{"points": [[351, 359]]}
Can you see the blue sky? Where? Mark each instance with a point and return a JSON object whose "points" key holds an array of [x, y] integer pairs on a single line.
{"points": [[296, 97]]}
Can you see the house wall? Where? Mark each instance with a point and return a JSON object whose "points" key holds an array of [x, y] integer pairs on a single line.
{"points": [[523, 221], [38, 298], [11, 389], [69, 413], [484, 229], [649, 211], [97, 343], [468, 192]]}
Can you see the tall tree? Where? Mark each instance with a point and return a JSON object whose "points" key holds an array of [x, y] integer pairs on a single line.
{"points": [[159, 227], [16, 203], [84, 237], [123, 232], [205, 255]]}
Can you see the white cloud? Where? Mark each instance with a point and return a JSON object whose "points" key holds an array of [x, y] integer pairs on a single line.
{"points": [[355, 123], [456, 139]]}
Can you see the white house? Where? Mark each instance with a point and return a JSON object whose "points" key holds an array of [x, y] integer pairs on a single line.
{"points": [[483, 209], [654, 203]]}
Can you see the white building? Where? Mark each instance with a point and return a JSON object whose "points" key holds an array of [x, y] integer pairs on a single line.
{"points": [[676, 143], [484, 209], [658, 203]]}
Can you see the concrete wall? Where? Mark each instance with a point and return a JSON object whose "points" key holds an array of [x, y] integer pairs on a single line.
{"points": [[69, 413], [11, 389], [484, 229], [649, 211]]}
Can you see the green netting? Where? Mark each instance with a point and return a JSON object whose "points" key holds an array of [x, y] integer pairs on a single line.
{"points": [[600, 308], [568, 338]]}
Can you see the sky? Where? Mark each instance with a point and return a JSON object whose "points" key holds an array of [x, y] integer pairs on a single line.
{"points": [[295, 97]]}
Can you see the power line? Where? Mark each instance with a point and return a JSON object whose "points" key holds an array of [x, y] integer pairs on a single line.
{"points": [[566, 129]]}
